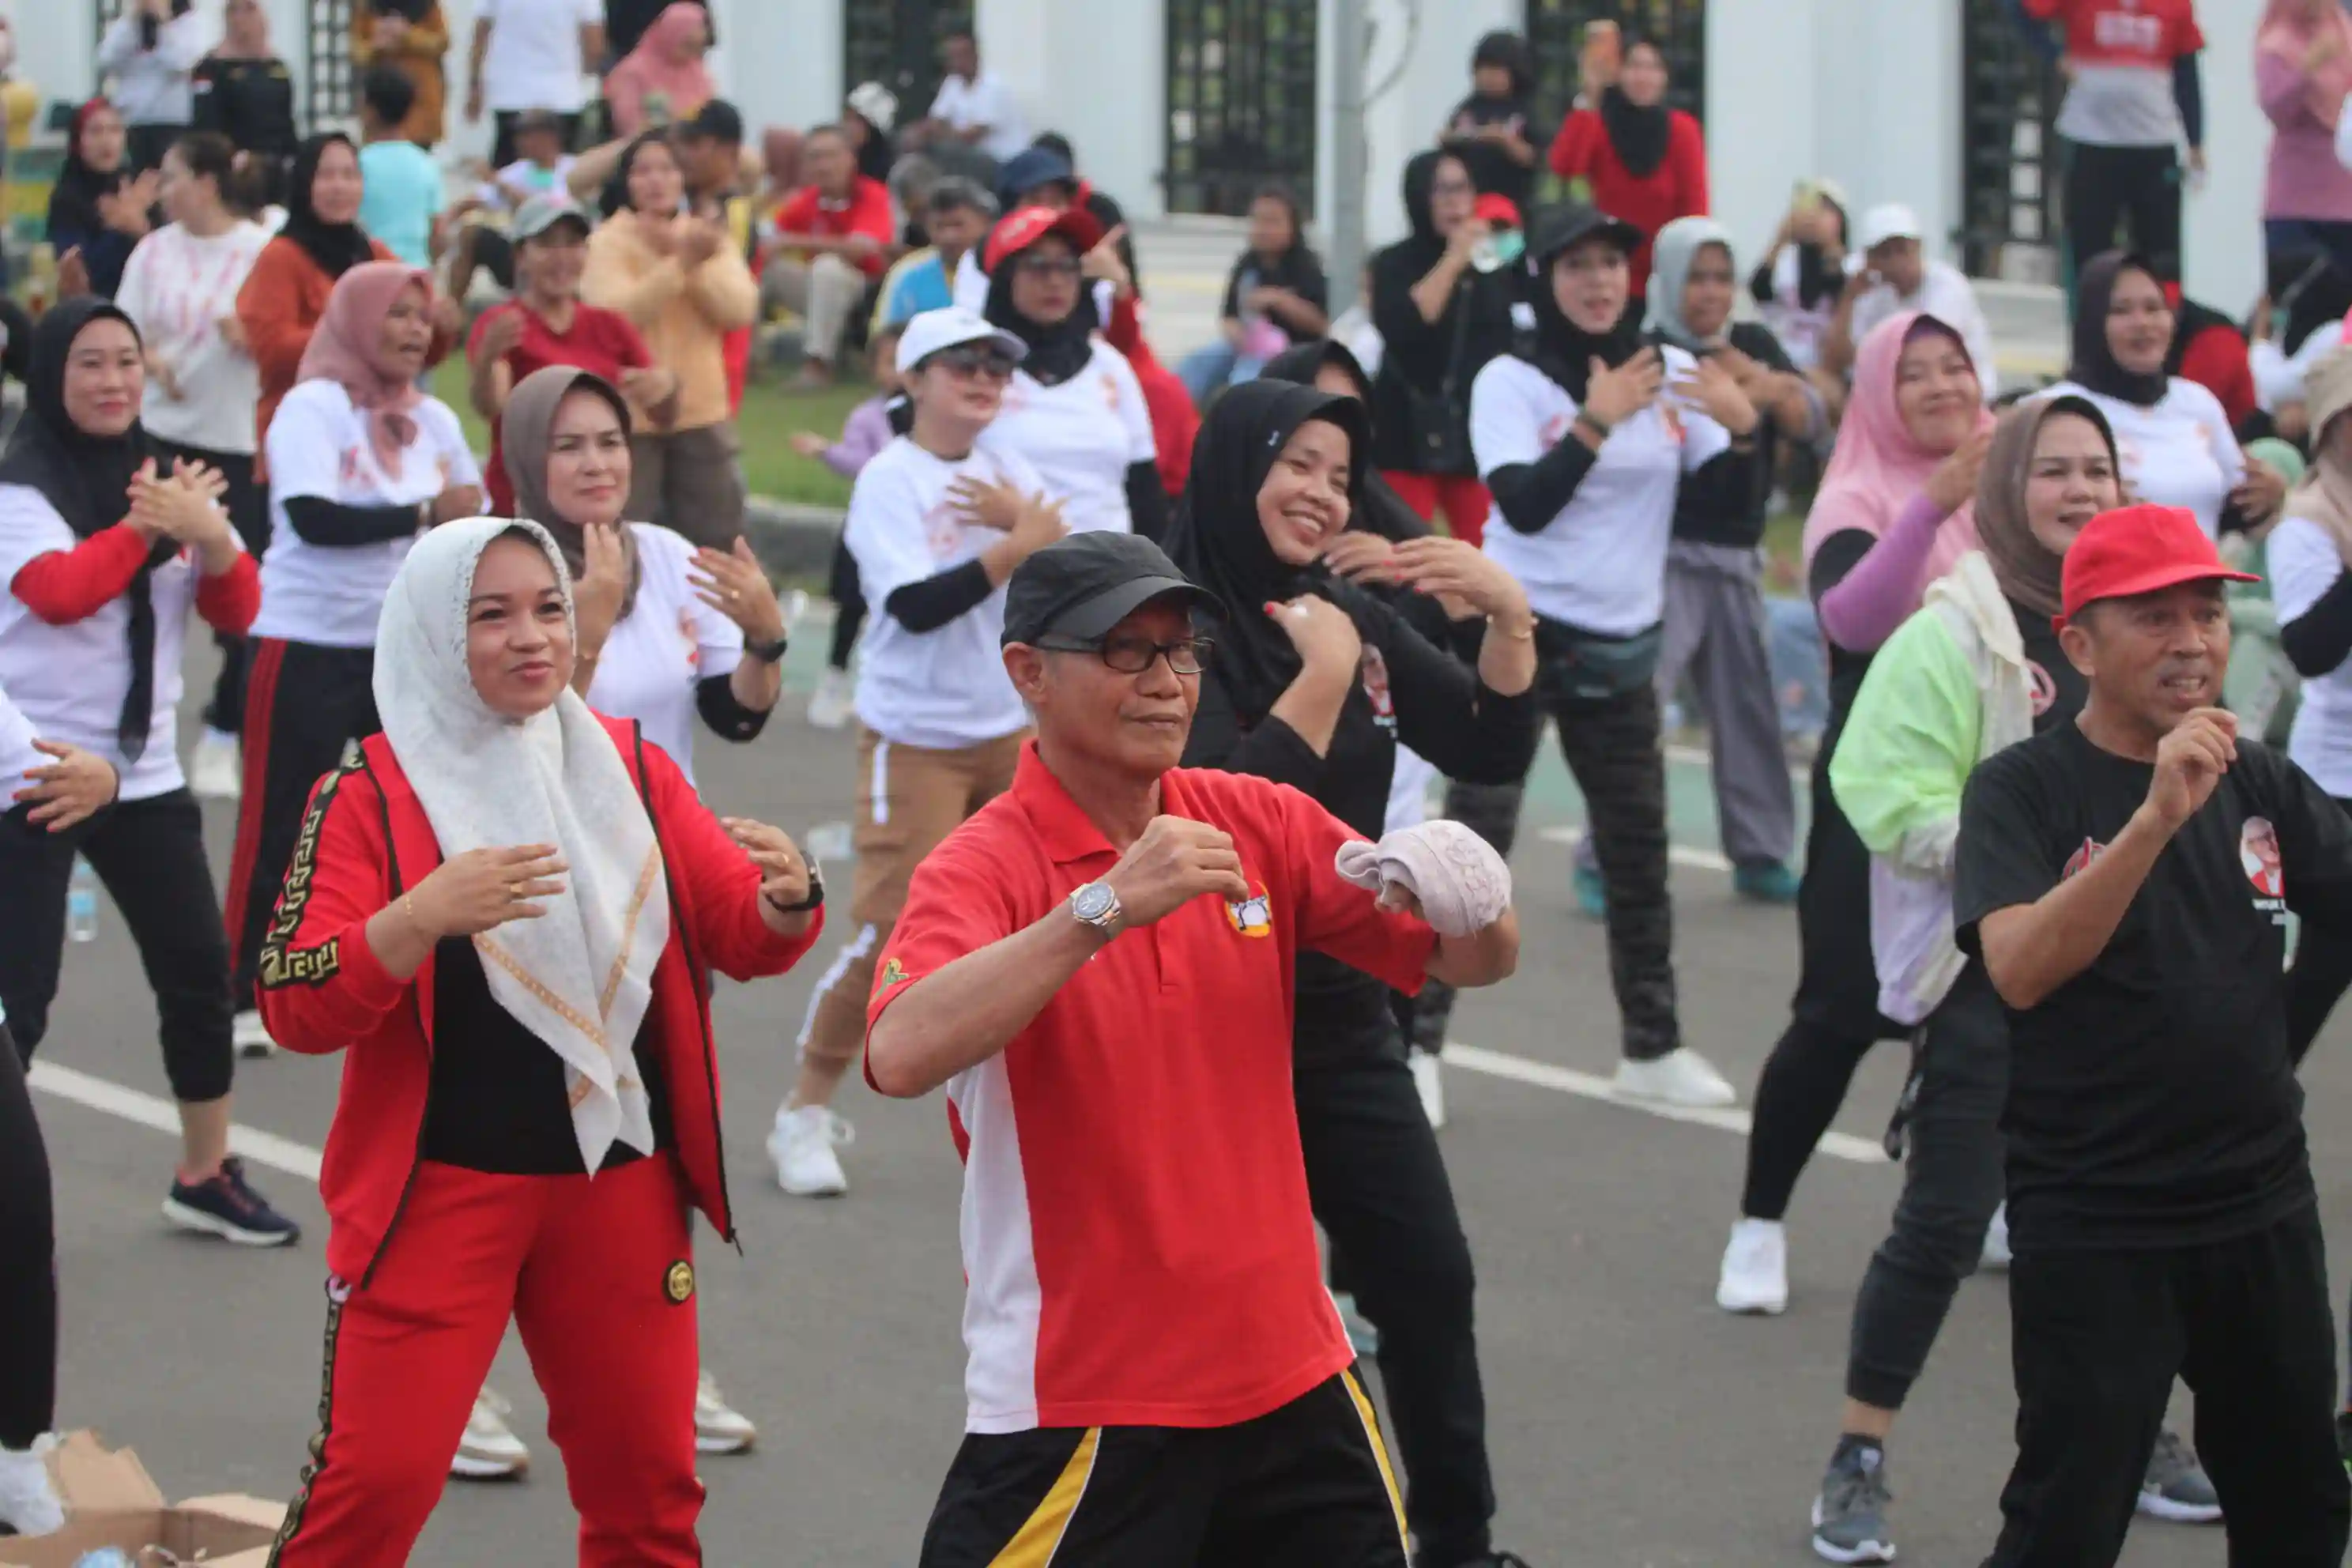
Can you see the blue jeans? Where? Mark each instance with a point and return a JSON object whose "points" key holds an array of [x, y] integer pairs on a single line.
{"points": [[1209, 370]]}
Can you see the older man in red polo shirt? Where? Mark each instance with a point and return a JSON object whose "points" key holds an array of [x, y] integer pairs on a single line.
{"points": [[832, 242], [1099, 967]]}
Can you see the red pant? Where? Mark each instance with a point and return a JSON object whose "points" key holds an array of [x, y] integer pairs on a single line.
{"points": [[588, 1269], [1466, 500]]}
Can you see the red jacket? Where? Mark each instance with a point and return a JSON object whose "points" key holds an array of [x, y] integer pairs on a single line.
{"points": [[1675, 188], [364, 838]]}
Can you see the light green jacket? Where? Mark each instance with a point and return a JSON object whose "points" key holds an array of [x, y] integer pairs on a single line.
{"points": [[1950, 688]]}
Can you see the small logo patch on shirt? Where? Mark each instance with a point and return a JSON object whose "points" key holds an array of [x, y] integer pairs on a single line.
{"points": [[2089, 850], [893, 973], [678, 1283], [1253, 916]]}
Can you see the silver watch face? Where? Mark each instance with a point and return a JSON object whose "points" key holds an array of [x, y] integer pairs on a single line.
{"points": [[1093, 902]]}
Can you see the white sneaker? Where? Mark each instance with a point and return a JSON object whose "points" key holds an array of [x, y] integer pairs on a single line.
{"points": [[718, 1428], [1995, 1243], [217, 768], [489, 1451], [828, 706], [1682, 1077], [250, 1034], [29, 1503], [1429, 1077], [1755, 1277], [803, 1147]]}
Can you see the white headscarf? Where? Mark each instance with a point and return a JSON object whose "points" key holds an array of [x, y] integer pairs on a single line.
{"points": [[581, 977]]}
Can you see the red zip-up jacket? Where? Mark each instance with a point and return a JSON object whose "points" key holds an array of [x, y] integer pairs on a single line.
{"points": [[364, 840]]}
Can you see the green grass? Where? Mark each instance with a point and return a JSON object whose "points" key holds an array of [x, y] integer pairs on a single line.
{"points": [[771, 415]]}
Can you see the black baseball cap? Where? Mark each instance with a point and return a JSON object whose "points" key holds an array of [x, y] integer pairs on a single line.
{"points": [[718, 120], [1557, 228], [1081, 586]]}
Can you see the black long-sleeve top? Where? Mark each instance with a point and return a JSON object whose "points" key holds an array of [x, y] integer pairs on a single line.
{"points": [[1413, 693]]}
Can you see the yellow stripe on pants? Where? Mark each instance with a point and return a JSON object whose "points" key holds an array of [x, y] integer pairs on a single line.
{"points": [[1380, 1452], [1034, 1545]]}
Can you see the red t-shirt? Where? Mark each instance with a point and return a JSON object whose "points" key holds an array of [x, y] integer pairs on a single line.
{"points": [[1137, 1246], [604, 342], [1675, 188], [2150, 33], [866, 211]]}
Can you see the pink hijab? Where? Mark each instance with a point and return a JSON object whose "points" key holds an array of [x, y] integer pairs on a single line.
{"points": [[1877, 466], [662, 63], [2289, 31], [344, 350]]}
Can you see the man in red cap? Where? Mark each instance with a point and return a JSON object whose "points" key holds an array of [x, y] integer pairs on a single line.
{"points": [[2125, 881]]}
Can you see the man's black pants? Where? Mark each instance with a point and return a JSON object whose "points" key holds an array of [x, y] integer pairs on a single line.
{"points": [[2096, 1339]]}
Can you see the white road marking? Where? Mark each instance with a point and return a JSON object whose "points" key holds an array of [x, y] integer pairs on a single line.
{"points": [[1588, 1086], [143, 1110], [1680, 854], [146, 1111]]}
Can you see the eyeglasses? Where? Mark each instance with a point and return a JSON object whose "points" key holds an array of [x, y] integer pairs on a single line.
{"points": [[1048, 266], [1134, 654], [973, 359]]}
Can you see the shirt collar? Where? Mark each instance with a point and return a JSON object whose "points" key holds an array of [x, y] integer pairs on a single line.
{"points": [[1067, 832]]}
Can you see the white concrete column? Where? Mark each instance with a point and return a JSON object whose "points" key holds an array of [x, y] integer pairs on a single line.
{"points": [[1110, 61], [1419, 72], [2222, 240], [1762, 110], [779, 61]]}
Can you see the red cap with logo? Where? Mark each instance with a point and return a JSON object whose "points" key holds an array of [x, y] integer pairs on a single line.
{"points": [[2138, 550], [1499, 211], [1017, 231]]}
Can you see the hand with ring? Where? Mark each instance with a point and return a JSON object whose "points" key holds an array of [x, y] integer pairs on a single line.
{"points": [[483, 889], [734, 583]]}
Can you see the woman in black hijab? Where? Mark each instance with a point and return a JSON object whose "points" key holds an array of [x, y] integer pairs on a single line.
{"points": [[1442, 320], [336, 244], [88, 210], [104, 560], [1314, 684], [1078, 434], [1496, 129]]}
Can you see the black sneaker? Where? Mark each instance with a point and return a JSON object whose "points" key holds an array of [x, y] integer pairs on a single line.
{"points": [[228, 1207]]}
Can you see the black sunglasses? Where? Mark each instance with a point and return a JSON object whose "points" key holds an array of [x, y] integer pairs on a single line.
{"points": [[974, 359]]}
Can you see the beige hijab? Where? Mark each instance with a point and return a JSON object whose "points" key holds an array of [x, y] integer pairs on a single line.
{"points": [[527, 432], [2028, 571], [2325, 496]]}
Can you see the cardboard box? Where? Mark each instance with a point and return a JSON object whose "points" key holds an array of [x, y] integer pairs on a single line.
{"points": [[112, 1501]]}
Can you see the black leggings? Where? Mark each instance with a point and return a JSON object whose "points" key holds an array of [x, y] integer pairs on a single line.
{"points": [[1378, 1188], [28, 1264], [2108, 187], [247, 505], [1953, 1179], [150, 854]]}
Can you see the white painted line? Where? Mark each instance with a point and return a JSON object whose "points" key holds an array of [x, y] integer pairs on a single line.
{"points": [[1586, 1086], [293, 1159], [1680, 854], [145, 1111]]}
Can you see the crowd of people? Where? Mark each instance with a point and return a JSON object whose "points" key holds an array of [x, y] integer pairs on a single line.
{"points": [[1094, 614]]}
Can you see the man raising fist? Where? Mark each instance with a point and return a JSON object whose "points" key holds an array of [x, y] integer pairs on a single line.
{"points": [[1099, 966], [2125, 881]]}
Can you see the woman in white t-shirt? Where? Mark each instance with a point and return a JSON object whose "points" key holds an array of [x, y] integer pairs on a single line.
{"points": [[360, 463], [180, 285], [1585, 437], [2174, 438], [104, 564], [1075, 409], [938, 522]]}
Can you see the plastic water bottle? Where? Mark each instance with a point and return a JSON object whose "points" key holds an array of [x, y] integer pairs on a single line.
{"points": [[104, 1557], [82, 903], [829, 842]]}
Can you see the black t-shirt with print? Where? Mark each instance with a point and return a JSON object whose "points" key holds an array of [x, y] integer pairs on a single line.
{"points": [[2059, 689], [2151, 1099]]}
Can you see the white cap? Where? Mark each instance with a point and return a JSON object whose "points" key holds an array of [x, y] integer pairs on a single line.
{"points": [[926, 334], [1891, 220], [878, 103]]}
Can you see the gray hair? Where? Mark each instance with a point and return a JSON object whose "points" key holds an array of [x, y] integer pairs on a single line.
{"points": [[957, 191]]}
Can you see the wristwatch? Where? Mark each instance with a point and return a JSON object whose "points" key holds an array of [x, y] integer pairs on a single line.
{"points": [[767, 652], [815, 900], [1097, 905]]}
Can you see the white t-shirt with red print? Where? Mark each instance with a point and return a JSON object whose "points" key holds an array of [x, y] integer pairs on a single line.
{"points": [[1082, 435], [666, 647], [1600, 565], [944, 689]]}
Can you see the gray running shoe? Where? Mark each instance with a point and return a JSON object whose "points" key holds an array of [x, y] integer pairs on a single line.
{"points": [[2177, 1486], [1850, 1515]]}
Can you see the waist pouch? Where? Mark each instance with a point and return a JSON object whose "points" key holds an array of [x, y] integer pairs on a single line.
{"points": [[1586, 667]]}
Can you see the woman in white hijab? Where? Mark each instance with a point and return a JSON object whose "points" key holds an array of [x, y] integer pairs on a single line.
{"points": [[505, 909]]}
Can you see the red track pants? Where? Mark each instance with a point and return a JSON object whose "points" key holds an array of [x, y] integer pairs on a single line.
{"points": [[1466, 501], [590, 1270]]}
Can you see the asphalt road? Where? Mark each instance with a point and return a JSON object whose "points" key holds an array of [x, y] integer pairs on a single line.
{"points": [[1633, 1425]]}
